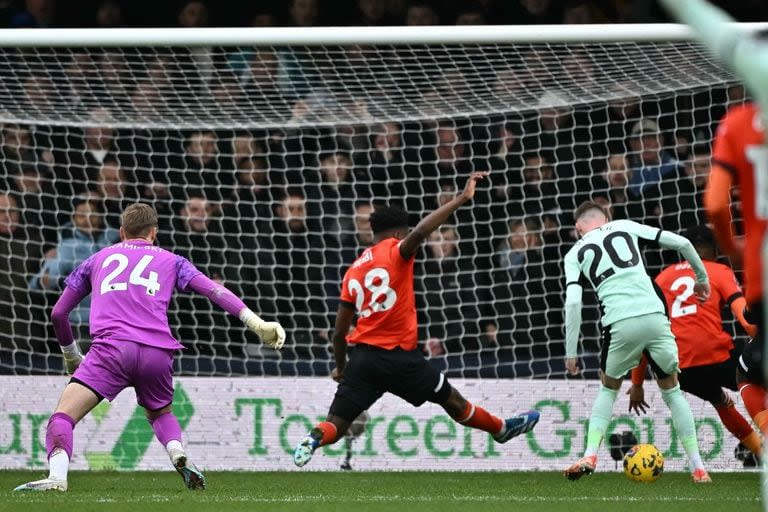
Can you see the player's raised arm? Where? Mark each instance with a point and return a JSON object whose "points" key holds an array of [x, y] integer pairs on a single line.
{"points": [[669, 240], [411, 243], [573, 304], [271, 333]]}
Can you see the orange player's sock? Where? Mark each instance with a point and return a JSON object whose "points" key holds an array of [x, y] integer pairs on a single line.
{"points": [[739, 427], [328, 431], [754, 400], [754, 443], [477, 417]]}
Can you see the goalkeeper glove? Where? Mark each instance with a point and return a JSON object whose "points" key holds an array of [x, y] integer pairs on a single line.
{"points": [[271, 333], [72, 357]]}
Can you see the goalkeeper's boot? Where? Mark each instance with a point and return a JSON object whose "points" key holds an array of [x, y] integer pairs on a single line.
{"points": [[700, 476], [46, 484], [582, 467], [306, 447], [192, 476], [517, 425]]}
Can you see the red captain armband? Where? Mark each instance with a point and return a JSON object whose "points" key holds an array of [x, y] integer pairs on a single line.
{"points": [[638, 372]]}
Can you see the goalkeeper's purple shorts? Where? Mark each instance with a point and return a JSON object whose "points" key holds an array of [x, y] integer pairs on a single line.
{"points": [[111, 366]]}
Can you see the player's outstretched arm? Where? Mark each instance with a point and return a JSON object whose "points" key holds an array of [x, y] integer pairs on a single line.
{"points": [[573, 304], [738, 306], [669, 240], [70, 298], [344, 317], [271, 333], [411, 243]]}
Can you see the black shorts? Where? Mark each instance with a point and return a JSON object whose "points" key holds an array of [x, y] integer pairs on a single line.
{"points": [[751, 361], [754, 314], [373, 371], [707, 381]]}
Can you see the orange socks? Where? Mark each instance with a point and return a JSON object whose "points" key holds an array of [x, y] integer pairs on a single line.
{"points": [[754, 401], [479, 418], [739, 427], [328, 431]]}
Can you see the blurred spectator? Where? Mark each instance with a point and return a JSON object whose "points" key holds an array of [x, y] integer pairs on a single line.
{"points": [[681, 203], [540, 12], [563, 135], [614, 182], [650, 161], [196, 234], [19, 257], [332, 198], [85, 235], [524, 235], [453, 305], [472, 14], [109, 14], [303, 13], [351, 245], [527, 294], [247, 209], [35, 195], [379, 173], [80, 84], [200, 170], [17, 148], [116, 79], [115, 189], [37, 14], [81, 154], [538, 193], [421, 14], [372, 12], [194, 14], [291, 266]]}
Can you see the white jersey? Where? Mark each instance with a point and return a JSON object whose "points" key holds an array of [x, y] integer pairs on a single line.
{"points": [[608, 259]]}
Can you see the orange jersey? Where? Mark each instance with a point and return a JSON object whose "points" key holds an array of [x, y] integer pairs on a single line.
{"points": [[740, 149], [380, 286], [698, 326]]}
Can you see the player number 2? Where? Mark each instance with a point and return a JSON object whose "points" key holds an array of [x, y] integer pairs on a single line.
{"points": [[109, 284], [377, 282], [686, 283]]}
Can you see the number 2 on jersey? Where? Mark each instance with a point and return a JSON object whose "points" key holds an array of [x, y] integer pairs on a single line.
{"points": [[686, 283], [378, 290], [109, 284]]}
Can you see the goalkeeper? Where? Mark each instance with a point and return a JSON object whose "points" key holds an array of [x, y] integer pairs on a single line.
{"points": [[131, 284]]}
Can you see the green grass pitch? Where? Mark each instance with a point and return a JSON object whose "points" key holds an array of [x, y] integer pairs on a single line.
{"points": [[371, 492]]}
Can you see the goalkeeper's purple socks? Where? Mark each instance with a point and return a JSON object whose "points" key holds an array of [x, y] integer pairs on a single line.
{"points": [[166, 428], [58, 434]]}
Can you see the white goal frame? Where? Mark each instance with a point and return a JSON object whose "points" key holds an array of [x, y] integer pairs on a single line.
{"points": [[312, 36]]}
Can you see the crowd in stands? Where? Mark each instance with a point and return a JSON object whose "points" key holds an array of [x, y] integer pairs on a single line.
{"points": [[278, 214], [305, 13]]}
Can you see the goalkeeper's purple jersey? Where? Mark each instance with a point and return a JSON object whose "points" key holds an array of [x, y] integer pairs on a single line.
{"points": [[131, 284]]}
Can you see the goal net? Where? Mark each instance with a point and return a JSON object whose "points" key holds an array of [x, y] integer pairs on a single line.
{"points": [[264, 163]]}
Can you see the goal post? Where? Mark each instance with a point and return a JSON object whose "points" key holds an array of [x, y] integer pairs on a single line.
{"points": [[265, 150]]}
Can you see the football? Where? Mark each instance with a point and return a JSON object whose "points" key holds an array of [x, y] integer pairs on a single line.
{"points": [[643, 463]]}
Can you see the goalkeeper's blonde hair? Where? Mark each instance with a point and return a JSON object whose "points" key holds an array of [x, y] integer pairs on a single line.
{"points": [[138, 219]]}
